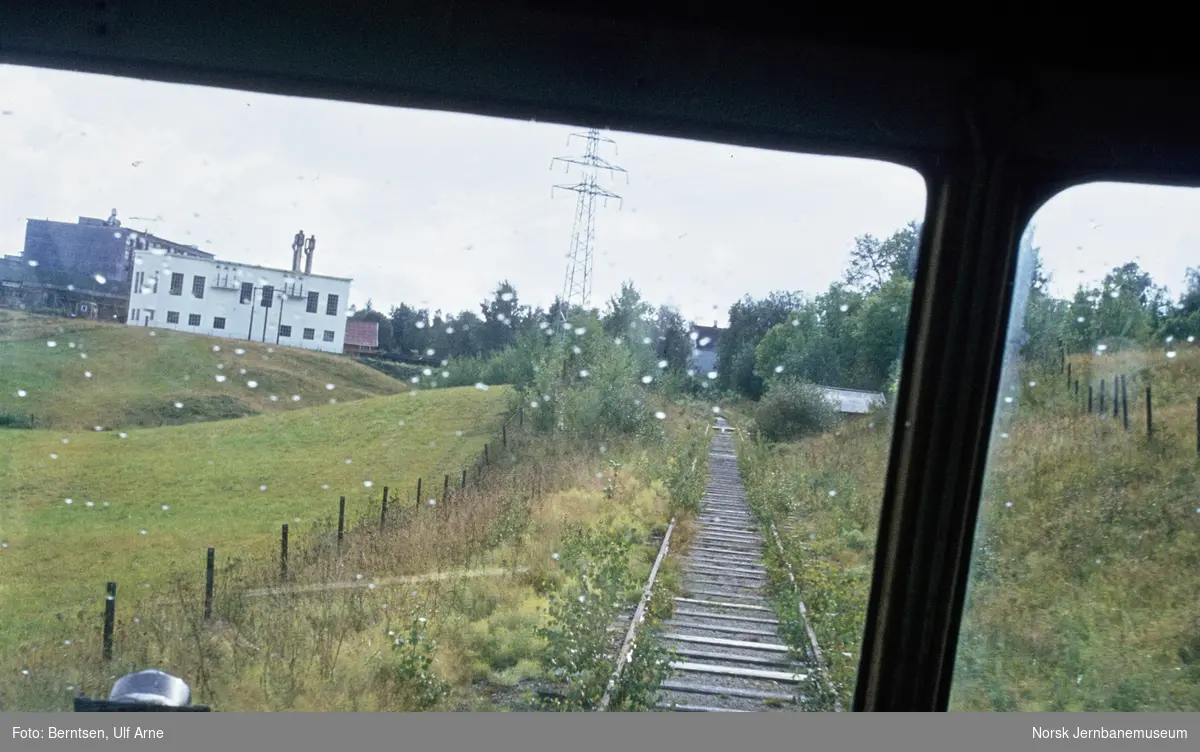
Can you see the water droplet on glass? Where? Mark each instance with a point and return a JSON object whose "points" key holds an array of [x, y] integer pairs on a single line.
{"points": [[239, 351], [582, 598], [325, 486], [51, 343], [843, 308], [165, 507], [1008, 504], [575, 349], [778, 369], [87, 374], [647, 379], [584, 373], [216, 348], [716, 409], [274, 398], [1008, 400], [1170, 353], [32, 262], [1191, 339], [22, 393], [69, 501], [432, 502], [646, 340], [100, 279], [83, 356], [98, 428], [712, 374], [401, 423], [1101, 348], [533, 404], [53, 456], [660, 415], [295, 398], [253, 384], [833, 492], [142, 532], [371, 586], [262, 488], [1032, 383], [481, 386], [368, 483], [178, 405], [220, 378], [458, 433], [66, 441], [89, 503]]}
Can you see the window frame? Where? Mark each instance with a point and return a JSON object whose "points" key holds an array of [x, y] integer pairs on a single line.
{"points": [[313, 302], [219, 322], [985, 176], [176, 290], [332, 301], [285, 331], [173, 317], [309, 334], [328, 335], [198, 284]]}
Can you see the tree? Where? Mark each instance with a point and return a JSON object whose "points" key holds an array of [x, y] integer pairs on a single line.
{"points": [[627, 314], [410, 329], [873, 261], [749, 321], [501, 318]]}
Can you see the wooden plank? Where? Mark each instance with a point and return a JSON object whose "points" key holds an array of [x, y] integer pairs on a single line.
{"points": [[700, 601], [748, 673], [767, 647]]}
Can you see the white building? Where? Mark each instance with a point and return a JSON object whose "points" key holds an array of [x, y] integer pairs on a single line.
{"points": [[239, 301]]}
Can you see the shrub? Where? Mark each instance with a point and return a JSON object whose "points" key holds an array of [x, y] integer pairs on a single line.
{"points": [[791, 410]]}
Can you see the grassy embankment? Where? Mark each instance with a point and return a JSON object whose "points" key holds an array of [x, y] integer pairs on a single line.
{"points": [[332, 648], [1086, 580]]}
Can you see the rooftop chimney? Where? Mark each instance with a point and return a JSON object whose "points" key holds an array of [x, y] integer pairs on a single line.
{"points": [[312, 247], [297, 247]]}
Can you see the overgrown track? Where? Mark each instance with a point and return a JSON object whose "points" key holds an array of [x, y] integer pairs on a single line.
{"points": [[728, 654]]}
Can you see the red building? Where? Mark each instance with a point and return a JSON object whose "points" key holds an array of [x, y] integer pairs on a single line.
{"points": [[361, 336]]}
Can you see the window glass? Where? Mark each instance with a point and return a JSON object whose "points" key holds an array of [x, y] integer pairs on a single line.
{"points": [[582, 337], [1084, 587]]}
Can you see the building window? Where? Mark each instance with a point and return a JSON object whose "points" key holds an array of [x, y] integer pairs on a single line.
{"points": [[313, 298], [268, 296], [139, 281], [285, 330], [218, 322], [331, 305], [176, 283], [193, 319], [155, 290], [149, 314], [247, 292], [310, 333], [328, 337], [172, 317], [135, 315], [197, 286]]}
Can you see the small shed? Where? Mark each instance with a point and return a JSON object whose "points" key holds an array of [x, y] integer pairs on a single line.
{"points": [[361, 336]]}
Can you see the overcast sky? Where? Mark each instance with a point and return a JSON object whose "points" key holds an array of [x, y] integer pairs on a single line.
{"points": [[436, 208]]}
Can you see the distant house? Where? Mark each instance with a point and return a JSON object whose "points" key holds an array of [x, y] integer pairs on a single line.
{"points": [[361, 336], [705, 344], [853, 401]]}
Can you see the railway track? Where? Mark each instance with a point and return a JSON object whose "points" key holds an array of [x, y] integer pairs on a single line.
{"points": [[728, 656]]}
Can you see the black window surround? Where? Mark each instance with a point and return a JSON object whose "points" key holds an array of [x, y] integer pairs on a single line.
{"points": [[995, 131]]}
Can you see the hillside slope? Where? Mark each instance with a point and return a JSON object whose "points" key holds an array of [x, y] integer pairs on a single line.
{"points": [[76, 375], [1085, 579], [146, 506]]}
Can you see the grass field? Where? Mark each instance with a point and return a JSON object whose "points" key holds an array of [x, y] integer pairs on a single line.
{"points": [[138, 376], [228, 484], [1085, 583]]}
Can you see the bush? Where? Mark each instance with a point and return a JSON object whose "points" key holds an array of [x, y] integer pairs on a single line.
{"points": [[791, 410]]}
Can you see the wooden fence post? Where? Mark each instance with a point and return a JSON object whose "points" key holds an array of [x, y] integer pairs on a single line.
{"points": [[1198, 425], [209, 566], [486, 461], [1116, 399], [1068, 376], [521, 415], [1149, 414], [383, 510], [418, 493], [1089, 398], [504, 436], [110, 620], [446, 488], [1124, 403], [463, 485], [341, 520], [1102, 382], [283, 553]]}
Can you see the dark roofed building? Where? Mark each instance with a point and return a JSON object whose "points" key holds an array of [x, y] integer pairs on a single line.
{"points": [[361, 336]]}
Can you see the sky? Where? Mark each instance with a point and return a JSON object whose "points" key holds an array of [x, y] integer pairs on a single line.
{"points": [[435, 209]]}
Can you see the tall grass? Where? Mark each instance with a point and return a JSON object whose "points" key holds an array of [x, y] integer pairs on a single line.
{"points": [[1084, 580]]}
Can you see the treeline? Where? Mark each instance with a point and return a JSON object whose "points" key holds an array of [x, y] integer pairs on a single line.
{"points": [[1127, 309]]}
